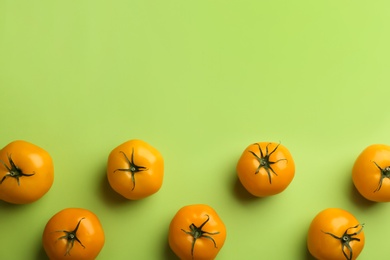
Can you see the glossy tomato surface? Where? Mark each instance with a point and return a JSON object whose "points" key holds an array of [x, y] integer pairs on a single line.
{"points": [[135, 169], [265, 168], [73, 234], [196, 232], [26, 172], [335, 234], [371, 173]]}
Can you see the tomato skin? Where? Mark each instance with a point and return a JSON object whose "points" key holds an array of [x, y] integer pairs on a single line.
{"points": [[255, 179], [147, 181], [90, 233], [367, 176], [335, 221], [181, 243], [33, 161]]}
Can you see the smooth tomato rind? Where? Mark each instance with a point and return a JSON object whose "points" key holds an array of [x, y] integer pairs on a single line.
{"points": [[195, 219], [265, 168], [26, 172], [332, 233], [371, 173], [80, 223], [135, 169]]}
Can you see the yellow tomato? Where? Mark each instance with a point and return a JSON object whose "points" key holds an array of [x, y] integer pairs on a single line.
{"points": [[335, 234], [26, 172], [73, 234], [135, 169], [265, 169], [196, 232], [371, 173]]}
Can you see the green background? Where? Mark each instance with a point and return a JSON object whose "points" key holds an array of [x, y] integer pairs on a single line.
{"points": [[200, 81]]}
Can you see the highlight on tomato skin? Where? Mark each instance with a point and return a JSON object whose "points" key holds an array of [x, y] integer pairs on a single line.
{"points": [[265, 168], [135, 169], [335, 234], [196, 232], [371, 173], [26, 172], [73, 234]]}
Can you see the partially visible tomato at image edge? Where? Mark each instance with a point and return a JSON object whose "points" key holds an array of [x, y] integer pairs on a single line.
{"points": [[335, 234], [196, 232], [371, 173], [73, 234], [26, 172], [265, 168]]}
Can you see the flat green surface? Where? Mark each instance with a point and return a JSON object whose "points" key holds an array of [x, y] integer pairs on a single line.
{"points": [[199, 80]]}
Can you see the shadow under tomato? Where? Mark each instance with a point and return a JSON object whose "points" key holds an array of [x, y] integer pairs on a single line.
{"points": [[241, 193], [5, 206], [307, 255], [109, 195], [41, 254], [166, 251], [359, 200]]}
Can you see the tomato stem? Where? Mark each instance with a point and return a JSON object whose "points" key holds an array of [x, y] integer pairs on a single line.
{"points": [[70, 237], [385, 173], [346, 238], [265, 162], [133, 168], [197, 232], [14, 171]]}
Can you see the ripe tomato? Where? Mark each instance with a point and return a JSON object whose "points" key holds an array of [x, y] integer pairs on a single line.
{"points": [[26, 172], [196, 232], [73, 233], [371, 173], [265, 169], [335, 234], [135, 169]]}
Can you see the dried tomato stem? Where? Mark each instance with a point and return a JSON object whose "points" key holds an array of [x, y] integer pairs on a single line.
{"points": [[14, 171], [133, 168], [197, 232], [265, 162], [385, 173], [346, 238], [70, 237]]}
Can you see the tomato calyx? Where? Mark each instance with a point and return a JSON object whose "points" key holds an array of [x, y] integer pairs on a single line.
{"points": [[70, 237], [133, 168], [385, 173], [197, 232], [14, 171], [346, 238], [264, 160]]}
